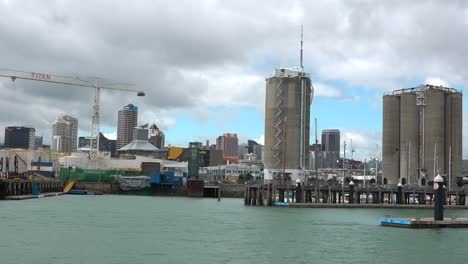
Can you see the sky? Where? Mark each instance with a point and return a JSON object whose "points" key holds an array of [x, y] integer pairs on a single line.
{"points": [[203, 63]]}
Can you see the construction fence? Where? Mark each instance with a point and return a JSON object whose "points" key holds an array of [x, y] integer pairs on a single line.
{"points": [[90, 175]]}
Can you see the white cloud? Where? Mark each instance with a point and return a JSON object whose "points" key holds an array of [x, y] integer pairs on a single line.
{"points": [[324, 90], [365, 143], [260, 140], [189, 56], [436, 81], [111, 135]]}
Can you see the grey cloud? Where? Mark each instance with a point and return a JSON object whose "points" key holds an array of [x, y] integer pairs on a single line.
{"points": [[151, 44]]}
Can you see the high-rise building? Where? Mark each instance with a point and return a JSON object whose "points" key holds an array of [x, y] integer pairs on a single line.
{"points": [[38, 141], [330, 147], [287, 123], [229, 144], [316, 158], [250, 145], [258, 151], [156, 136], [422, 135], [242, 151], [65, 134], [140, 133], [20, 137], [127, 120]]}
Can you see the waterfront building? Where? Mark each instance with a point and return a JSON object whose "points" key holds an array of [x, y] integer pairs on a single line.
{"points": [[20, 137], [230, 172], [330, 147], [229, 144], [127, 120], [65, 134], [422, 135], [287, 123]]}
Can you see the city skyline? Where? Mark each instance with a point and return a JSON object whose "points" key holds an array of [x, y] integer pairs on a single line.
{"points": [[217, 84]]}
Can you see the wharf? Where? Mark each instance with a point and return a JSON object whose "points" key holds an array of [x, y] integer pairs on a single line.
{"points": [[382, 206], [31, 196], [424, 222], [311, 195]]}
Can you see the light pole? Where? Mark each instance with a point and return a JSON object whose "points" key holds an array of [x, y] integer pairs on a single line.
{"points": [[344, 161]]}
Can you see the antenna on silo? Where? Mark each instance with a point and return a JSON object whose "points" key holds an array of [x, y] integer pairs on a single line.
{"points": [[302, 37]]}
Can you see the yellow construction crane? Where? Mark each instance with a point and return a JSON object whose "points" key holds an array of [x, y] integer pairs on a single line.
{"points": [[74, 81]]}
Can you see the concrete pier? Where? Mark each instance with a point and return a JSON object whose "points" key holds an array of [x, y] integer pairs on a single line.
{"points": [[11, 188], [335, 195]]}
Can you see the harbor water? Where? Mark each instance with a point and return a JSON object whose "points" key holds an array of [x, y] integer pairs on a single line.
{"points": [[142, 229]]}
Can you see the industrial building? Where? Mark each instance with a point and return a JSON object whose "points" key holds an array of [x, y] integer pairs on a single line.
{"points": [[330, 147], [127, 120], [65, 134], [422, 135], [20, 137], [287, 124]]}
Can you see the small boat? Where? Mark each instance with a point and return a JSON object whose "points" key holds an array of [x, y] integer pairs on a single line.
{"points": [[77, 192]]}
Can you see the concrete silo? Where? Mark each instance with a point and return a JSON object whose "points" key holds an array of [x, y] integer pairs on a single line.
{"points": [[433, 160], [409, 127], [453, 136], [287, 123], [391, 139], [426, 121]]}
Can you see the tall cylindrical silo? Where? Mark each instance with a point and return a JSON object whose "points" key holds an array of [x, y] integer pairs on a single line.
{"points": [[283, 115], [271, 101], [457, 137], [391, 139], [409, 127], [434, 132], [448, 132]]}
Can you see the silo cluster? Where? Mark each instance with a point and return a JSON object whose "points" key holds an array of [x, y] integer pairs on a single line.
{"points": [[422, 135]]}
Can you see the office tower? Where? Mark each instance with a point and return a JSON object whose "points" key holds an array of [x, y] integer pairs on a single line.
{"points": [[19, 137], [127, 121], [330, 147]]}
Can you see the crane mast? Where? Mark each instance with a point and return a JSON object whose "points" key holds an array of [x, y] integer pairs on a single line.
{"points": [[73, 81]]}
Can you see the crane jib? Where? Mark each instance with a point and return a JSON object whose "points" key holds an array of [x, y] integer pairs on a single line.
{"points": [[40, 76]]}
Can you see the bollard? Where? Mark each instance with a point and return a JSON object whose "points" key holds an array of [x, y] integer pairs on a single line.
{"points": [[351, 192], [298, 191], [399, 197], [439, 198]]}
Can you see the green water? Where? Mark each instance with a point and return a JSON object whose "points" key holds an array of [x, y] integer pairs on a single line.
{"points": [[131, 229]]}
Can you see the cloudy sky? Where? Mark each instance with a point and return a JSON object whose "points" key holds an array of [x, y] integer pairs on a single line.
{"points": [[203, 63]]}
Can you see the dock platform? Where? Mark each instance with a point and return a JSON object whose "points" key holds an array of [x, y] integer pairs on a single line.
{"points": [[364, 206], [424, 222], [31, 196]]}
